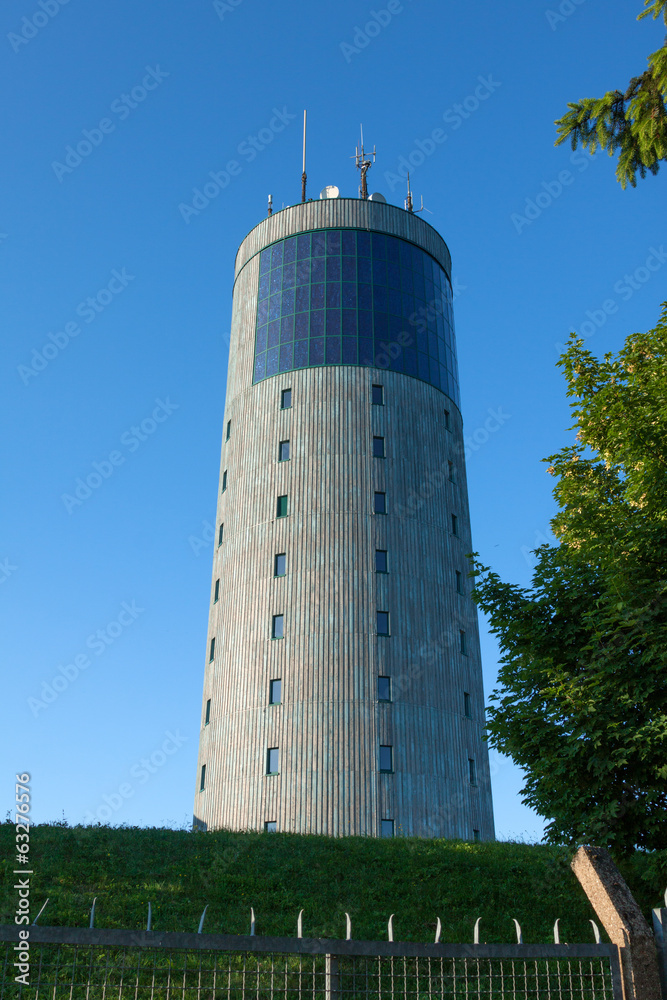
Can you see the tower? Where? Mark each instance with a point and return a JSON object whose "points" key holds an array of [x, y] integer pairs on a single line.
{"points": [[343, 686]]}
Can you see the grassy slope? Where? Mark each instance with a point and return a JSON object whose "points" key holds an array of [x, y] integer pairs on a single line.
{"points": [[278, 874]]}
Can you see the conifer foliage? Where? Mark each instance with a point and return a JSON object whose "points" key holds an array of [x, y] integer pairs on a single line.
{"points": [[632, 124]]}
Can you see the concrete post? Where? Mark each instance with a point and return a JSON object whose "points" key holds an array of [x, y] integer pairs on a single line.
{"points": [[332, 977], [623, 921], [660, 929]]}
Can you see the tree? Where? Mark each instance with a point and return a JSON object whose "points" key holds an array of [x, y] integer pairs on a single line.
{"points": [[582, 702], [631, 123]]}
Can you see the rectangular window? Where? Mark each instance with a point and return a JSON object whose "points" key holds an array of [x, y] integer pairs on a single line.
{"points": [[378, 447], [472, 770], [447, 421], [207, 716], [475, 836], [459, 582], [275, 690], [216, 592], [467, 705], [202, 779], [383, 623], [272, 760], [286, 399], [229, 430], [386, 760], [451, 471], [378, 395], [280, 564], [384, 688], [211, 652], [387, 827], [283, 451], [462, 641], [455, 525], [381, 561], [281, 509], [220, 531], [380, 503], [270, 826], [277, 627], [224, 481]]}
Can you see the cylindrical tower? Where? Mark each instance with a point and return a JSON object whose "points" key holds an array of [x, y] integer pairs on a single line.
{"points": [[343, 683]]}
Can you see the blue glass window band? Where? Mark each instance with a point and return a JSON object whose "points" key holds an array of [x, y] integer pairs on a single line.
{"points": [[350, 297]]}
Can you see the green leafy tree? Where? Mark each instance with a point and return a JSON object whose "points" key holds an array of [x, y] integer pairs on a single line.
{"points": [[631, 123], [582, 701]]}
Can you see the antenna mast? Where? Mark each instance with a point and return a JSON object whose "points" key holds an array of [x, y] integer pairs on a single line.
{"points": [[363, 164], [408, 200], [303, 175]]}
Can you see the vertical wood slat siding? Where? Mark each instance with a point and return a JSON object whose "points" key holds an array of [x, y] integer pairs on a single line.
{"points": [[329, 726]]}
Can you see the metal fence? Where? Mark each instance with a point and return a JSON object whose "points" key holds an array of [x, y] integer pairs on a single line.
{"points": [[97, 964]]}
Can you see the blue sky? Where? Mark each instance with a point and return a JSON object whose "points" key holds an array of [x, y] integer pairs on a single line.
{"points": [[131, 296]]}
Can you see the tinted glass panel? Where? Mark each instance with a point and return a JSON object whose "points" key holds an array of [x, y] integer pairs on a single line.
{"points": [[385, 759], [380, 561], [384, 689]]}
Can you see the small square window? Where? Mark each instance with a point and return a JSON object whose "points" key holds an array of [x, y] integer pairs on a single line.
{"points": [[202, 779], [277, 627], [275, 691], [448, 425], [378, 447], [283, 451], [211, 650], [384, 688], [281, 508], [229, 430], [455, 525], [220, 531], [386, 760], [272, 760], [472, 770], [224, 481], [462, 641], [286, 399], [381, 561], [378, 395], [459, 582], [216, 592], [467, 705], [386, 827], [207, 716], [270, 826], [383, 623], [380, 503], [280, 564], [451, 471]]}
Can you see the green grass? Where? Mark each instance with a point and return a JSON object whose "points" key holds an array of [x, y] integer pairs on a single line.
{"points": [[180, 872]]}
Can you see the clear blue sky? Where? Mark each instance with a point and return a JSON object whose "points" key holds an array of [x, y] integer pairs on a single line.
{"points": [[109, 228]]}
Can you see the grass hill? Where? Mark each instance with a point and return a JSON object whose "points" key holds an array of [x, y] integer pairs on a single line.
{"points": [[180, 872]]}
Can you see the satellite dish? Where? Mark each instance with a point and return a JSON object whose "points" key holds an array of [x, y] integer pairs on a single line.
{"points": [[377, 197], [330, 191]]}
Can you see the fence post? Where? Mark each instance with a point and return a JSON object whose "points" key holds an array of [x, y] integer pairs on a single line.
{"points": [[623, 921], [659, 927], [332, 977]]}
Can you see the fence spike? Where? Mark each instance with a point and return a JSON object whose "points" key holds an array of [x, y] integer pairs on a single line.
{"points": [[438, 930], [299, 925], [596, 932], [390, 928], [201, 921], [252, 922], [40, 913], [348, 927], [92, 913], [665, 897], [475, 939], [519, 935], [150, 914], [556, 932]]}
